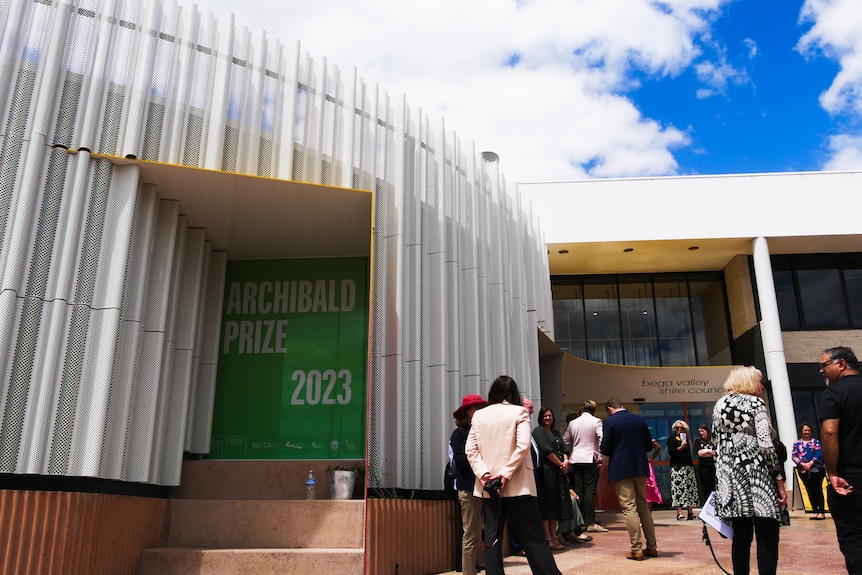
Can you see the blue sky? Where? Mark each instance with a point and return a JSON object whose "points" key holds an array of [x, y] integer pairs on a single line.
{"points": [[571, 89], [771, 120]]}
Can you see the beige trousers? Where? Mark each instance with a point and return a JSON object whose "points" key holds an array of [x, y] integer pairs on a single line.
{"points": [[632, 495], [471, 520]]}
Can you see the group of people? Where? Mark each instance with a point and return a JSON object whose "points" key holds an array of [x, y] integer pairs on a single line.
{"points": [[505, 469], [750, 482], [504, 460], [539, 482]]}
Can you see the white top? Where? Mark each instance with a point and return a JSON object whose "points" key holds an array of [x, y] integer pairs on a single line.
{"points": [[583, 437]]}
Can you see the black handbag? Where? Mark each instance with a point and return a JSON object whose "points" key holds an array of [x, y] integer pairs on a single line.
{"points": [[785, 516]]}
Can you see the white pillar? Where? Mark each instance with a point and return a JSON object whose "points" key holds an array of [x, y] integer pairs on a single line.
{"points": [[773, 351]]}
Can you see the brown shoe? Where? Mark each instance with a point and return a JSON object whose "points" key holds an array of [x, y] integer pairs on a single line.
{"points": [[635, 556], [650, 552], [555, 545]]}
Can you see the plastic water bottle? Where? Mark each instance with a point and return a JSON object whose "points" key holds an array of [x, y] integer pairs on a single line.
{"points": [[310, 485]]}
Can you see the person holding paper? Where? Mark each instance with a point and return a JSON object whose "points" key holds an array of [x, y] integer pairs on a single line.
{"points": [[683, 481], [750, 484], [703, 446]]}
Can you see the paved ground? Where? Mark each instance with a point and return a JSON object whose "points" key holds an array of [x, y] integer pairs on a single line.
{"points": [[805, 547]]}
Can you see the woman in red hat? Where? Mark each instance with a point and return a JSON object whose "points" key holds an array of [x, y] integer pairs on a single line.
{"points": [[471, 506]]}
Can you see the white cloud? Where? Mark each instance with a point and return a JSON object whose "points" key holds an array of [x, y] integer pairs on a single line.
{"points": [[836, 32], [717, 76], [752, 48], [558, 113], [845, 153]]}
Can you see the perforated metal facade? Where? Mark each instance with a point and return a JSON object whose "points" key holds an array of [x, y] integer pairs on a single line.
{"points": [[110, 302]]}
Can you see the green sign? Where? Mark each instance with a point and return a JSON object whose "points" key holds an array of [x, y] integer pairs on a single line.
{"points": [[292, 367]]}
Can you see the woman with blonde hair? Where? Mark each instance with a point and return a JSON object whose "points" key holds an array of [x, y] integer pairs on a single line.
{"points": [[683, 481], [749, 480]]}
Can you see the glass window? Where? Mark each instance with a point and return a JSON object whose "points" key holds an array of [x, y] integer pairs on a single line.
{"points": [[635, 320], [640, 340], [709, 316], [853, 283], [569, 326], [786, 295], [804, 408], [601, 308], [819, 291], [674, 324], [822, 298]]}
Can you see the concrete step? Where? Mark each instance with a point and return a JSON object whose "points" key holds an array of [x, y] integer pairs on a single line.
{"points": [[189, 561], [267, 524]]}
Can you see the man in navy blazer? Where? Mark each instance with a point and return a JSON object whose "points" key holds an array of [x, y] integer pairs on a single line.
{"points": [[626, 441]]}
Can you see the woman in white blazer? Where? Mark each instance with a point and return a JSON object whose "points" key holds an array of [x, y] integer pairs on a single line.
{"points": [[498, 449]]}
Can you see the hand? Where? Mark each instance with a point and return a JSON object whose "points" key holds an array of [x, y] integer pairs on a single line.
{"points": [[488, 477], [840, 485], [782, 494]]}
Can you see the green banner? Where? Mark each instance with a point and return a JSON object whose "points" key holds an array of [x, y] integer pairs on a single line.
{"points": [[292, 367]]}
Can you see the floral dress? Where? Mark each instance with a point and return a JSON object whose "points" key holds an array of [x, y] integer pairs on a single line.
{"points": [[683, 481], [746, 465]]}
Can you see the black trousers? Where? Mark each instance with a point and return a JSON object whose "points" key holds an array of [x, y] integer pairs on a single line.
{"points": [[744, 529], [847, 513], [527, 522], [585, 478], [706, 472], [814, 486]]}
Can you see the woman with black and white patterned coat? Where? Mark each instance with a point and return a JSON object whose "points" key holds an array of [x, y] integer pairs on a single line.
{"points": [[750, 485]]}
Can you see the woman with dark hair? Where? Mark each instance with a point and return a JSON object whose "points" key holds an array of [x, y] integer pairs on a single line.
{"points": [[556, 501], [807, 454], [505, 389], [498, 449], [750, 485], [705, 448]]}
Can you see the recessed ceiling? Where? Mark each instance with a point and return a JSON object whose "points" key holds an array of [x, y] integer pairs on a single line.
{"points": [[677, 255], [262, 218]]}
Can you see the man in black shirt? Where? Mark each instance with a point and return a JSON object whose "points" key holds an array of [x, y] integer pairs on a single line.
{"points": [[841, 437]]}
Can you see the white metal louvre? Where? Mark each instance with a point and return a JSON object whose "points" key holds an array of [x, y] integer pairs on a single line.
{"points": [[101, 372]]}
